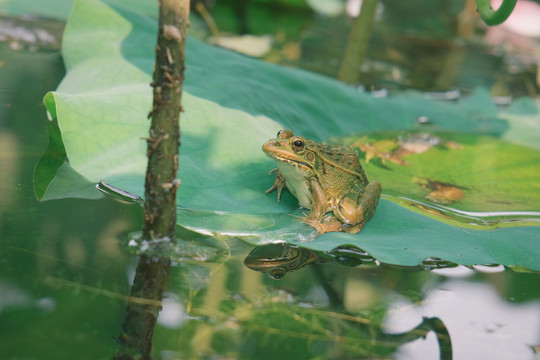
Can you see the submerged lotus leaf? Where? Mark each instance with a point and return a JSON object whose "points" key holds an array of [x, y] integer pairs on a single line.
{"points": [[233, 104]]}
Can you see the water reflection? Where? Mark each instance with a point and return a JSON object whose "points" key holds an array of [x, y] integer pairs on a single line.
{"points": [[220, 309], [143, 308], [277, 260], [471, 311], [203, 304]]}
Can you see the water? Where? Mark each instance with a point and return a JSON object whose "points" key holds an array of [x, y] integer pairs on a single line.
{"points": [[66, 271], [485, 220]]}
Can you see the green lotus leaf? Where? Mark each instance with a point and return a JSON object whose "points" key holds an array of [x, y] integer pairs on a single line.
{"points": [[233, 104]]}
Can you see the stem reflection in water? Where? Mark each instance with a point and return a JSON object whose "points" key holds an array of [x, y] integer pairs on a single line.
{"points": [[138, 327]]}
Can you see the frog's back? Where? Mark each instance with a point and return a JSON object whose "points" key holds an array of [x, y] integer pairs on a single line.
{"points": [[342, 156]]}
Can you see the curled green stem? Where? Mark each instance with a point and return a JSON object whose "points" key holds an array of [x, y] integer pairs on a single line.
{"points": [[495, 17]]}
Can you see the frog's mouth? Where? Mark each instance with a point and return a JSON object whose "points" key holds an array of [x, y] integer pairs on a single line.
{"points": [[293, 162]]}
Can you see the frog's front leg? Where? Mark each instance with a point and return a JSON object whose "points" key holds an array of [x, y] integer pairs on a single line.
{"points": [[358, 206], [318, 204], [278, 185]]}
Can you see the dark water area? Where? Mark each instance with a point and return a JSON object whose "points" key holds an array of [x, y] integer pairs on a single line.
{"points": [[66, 273]]}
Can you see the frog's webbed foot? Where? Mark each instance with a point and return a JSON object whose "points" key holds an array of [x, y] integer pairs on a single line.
{"points": [[323, 225], [278, 185], [352, 229], [330, 223]]}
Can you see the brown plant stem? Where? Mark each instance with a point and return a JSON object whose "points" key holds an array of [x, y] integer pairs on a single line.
{"points": [[161, 184], [358, 43]]}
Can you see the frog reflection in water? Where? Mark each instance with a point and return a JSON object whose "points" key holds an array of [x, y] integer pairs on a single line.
{"points": [[325, 179], [278, 259]]}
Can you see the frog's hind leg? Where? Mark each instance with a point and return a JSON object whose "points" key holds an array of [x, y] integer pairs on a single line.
{"points": [[317, 218], [354, 213]]}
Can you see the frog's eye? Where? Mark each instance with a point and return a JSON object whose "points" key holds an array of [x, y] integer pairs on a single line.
{"points": [[297, 144], [277, 274], [284, 134]]}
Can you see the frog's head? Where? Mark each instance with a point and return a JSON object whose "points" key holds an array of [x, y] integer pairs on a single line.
{"points": [[291, 149]]}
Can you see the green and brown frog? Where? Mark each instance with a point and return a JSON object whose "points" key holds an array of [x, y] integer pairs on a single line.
{"points": [[327, 179]]}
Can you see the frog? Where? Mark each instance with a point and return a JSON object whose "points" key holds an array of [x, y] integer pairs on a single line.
{"points": [[326, 179]]}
